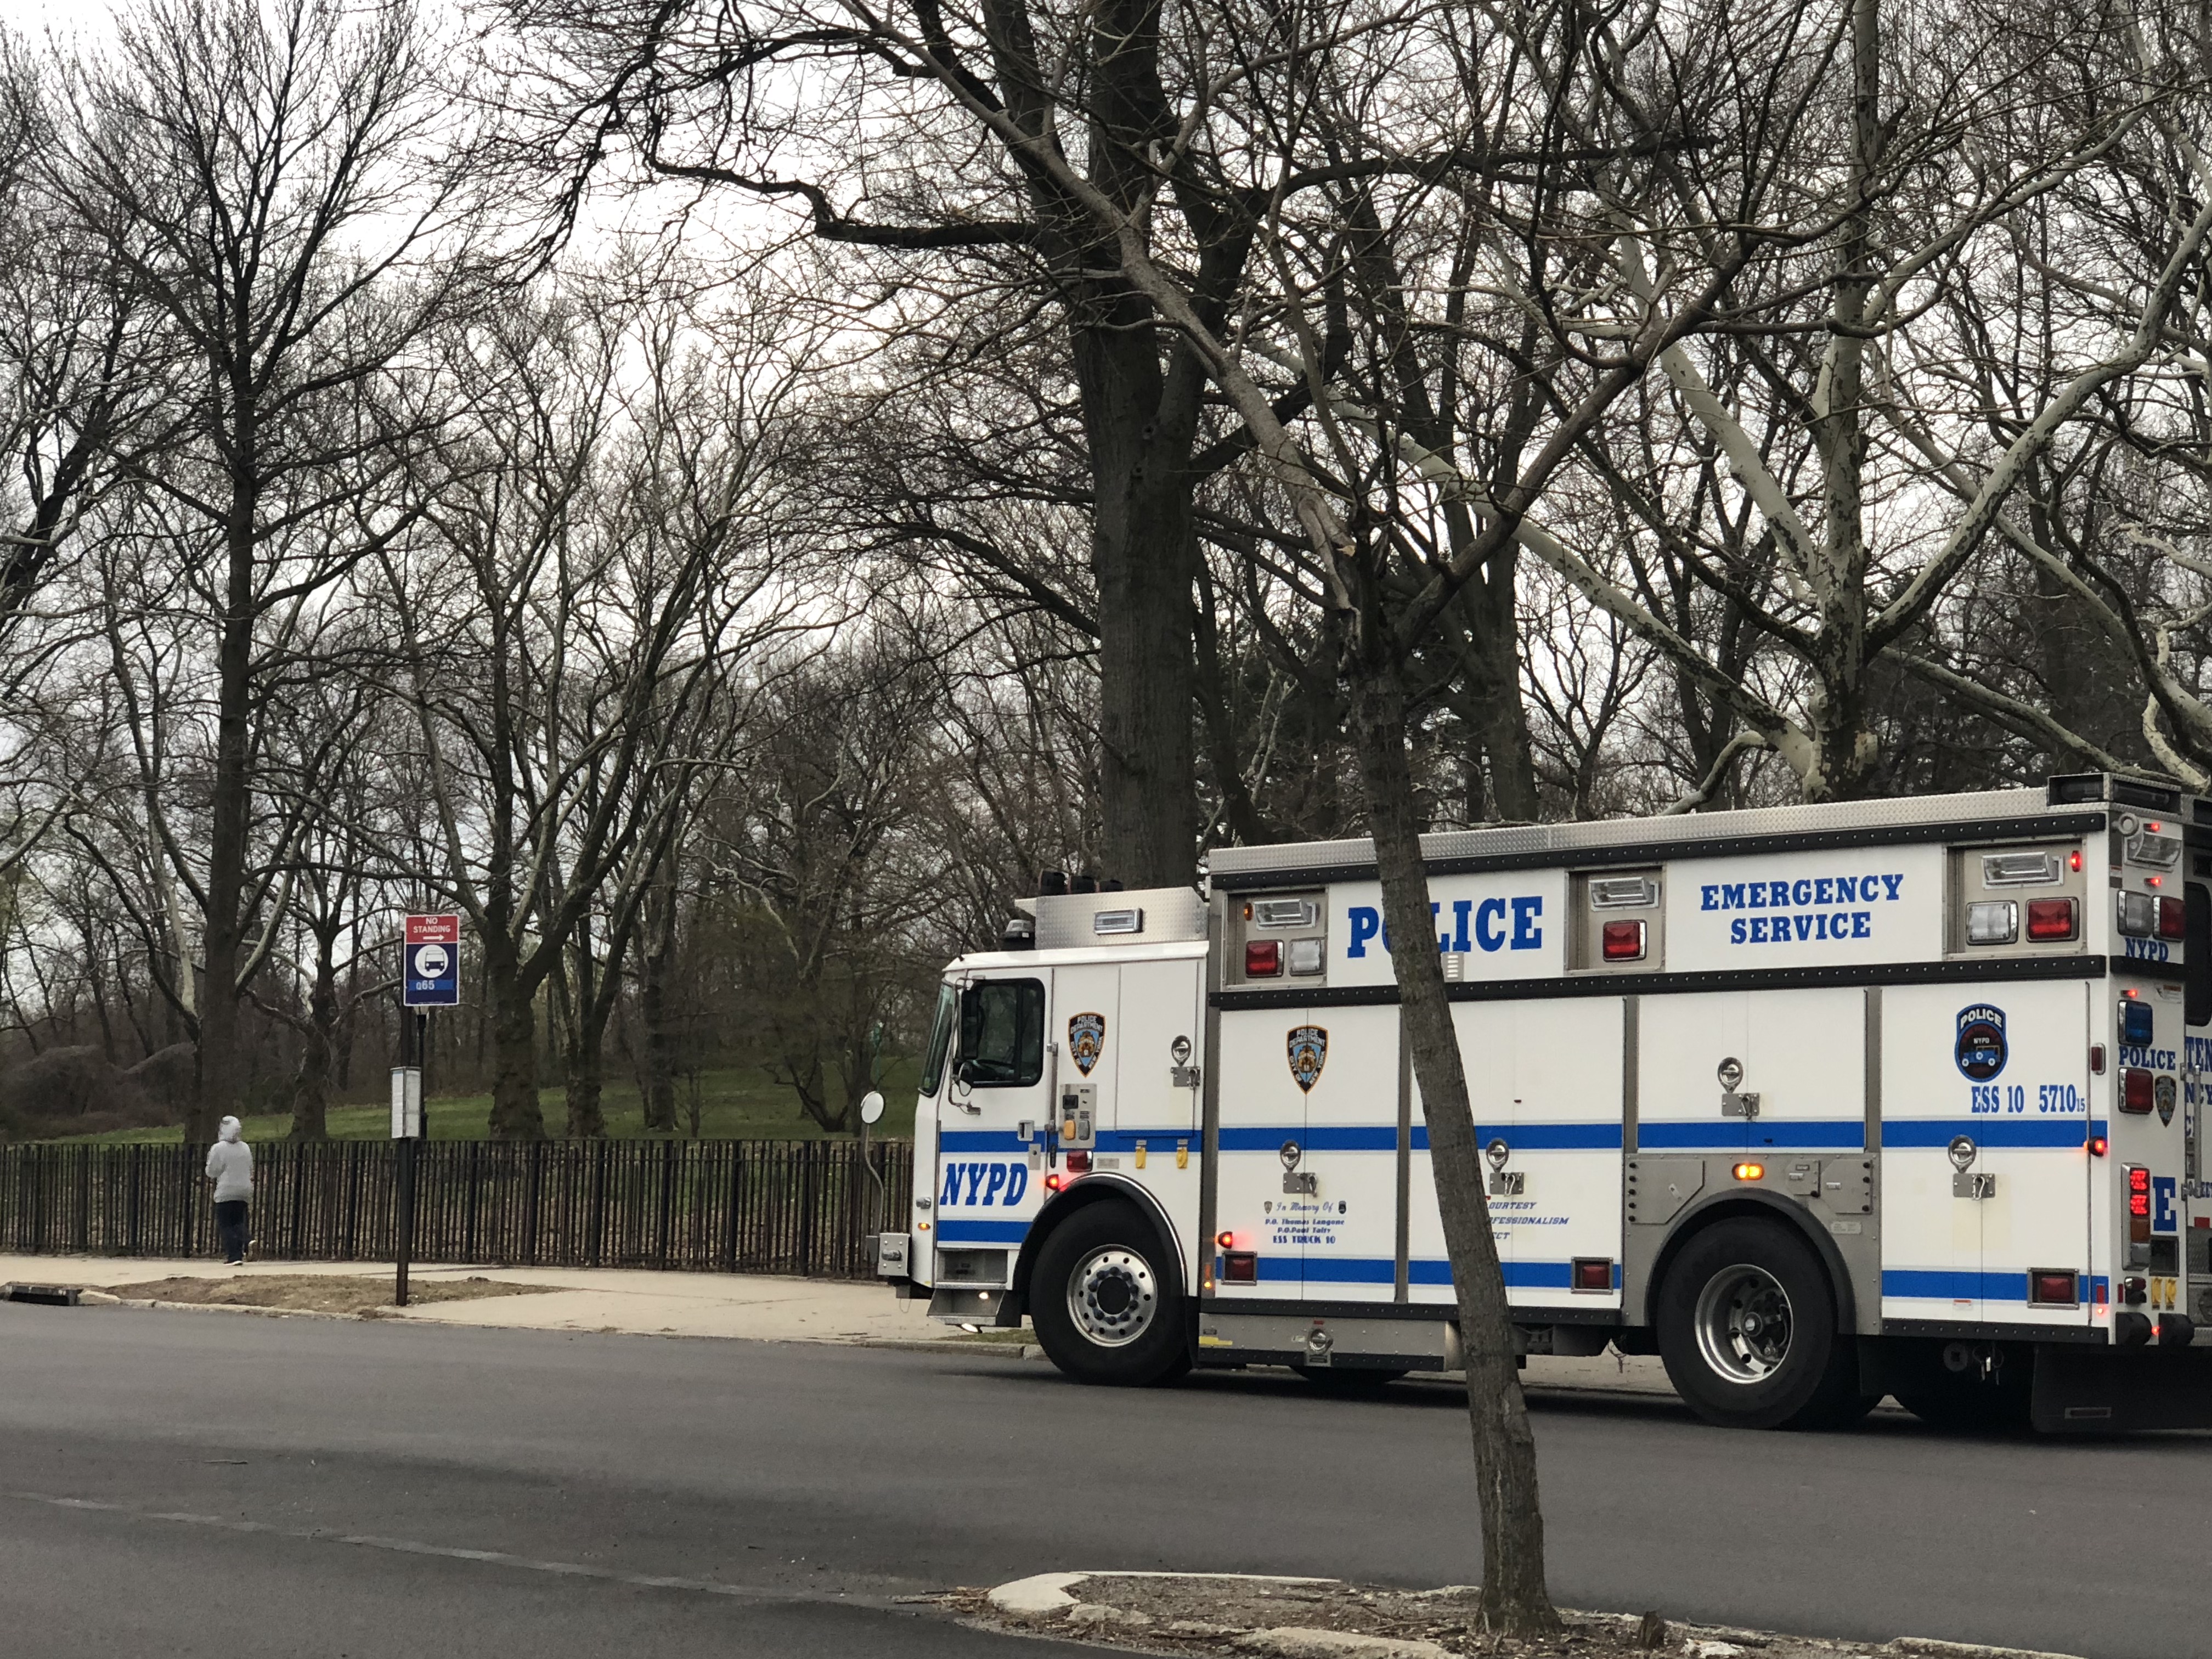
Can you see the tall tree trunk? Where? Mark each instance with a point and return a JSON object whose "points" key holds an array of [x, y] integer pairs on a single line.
{"points": [[1143, 554], [1515, 1597], [1502, 717], [582, 1051], [656, 952], [311, 1085], [587, 1078], [222, 937], [515, 1110], [1837, 709]]}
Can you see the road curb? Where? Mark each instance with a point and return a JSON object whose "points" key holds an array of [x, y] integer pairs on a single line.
{"points": [[914, 1345], [1059, 1598], [235, 1308]]}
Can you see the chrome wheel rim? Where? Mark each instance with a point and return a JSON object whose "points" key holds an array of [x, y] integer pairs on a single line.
{"points": [[1112, 1296], [1744, 1324]]}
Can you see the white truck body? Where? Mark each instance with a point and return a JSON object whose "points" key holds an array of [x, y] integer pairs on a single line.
{"points": [[1832, 1021]]}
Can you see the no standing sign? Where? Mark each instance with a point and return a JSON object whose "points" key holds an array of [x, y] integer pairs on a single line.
{"points": [[430, 963]]}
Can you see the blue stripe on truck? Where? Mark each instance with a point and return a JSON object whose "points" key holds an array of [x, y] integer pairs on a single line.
{"points": [[1718, 1135], [981, 1232], [1383, 1270], [1383, 1137], [2055, 1132]]}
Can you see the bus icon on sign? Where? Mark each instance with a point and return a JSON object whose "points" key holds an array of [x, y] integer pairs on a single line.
{"points": [[430, 962]]}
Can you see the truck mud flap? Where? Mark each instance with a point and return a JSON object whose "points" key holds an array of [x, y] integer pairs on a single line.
{"points": [[2116, 1390]]}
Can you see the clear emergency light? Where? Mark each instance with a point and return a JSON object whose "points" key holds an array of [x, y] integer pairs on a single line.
{"points": [[1992, 921]]}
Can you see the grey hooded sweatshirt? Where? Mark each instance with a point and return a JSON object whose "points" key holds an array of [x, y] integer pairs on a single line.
{"points": [[230, 1163]]}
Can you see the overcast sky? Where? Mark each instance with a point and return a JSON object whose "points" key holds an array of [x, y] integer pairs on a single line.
{"points": [[64, 17]]}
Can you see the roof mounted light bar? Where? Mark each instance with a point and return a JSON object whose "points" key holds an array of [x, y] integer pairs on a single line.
{"points": [[2085, 789]]}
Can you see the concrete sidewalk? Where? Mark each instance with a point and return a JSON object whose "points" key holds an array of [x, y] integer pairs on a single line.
{"points": [[756, 1306], [749, 1307]]}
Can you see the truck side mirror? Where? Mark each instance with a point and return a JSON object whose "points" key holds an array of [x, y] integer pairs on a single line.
{"points": [[871, 1107]]}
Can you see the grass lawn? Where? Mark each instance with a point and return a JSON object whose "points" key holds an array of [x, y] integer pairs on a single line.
{"points": [[737, 1103]]}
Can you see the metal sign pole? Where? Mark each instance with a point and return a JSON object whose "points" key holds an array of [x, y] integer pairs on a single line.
{"points": [[405, 1083], [429, 977]]}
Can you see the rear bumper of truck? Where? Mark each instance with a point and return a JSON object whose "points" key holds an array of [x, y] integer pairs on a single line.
{"points": [[2103, 1390]]}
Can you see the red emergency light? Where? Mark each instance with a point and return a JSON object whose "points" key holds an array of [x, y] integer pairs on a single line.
{"points": [[1623, 941], [2173, 918], [1263, 959], [2138, 1204], [2050, 920], [2051, 1290], [2135, 1090]]}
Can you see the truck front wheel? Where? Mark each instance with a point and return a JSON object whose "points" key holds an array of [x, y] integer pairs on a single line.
{"points": [[1747, 1325], [1106, 1308]]}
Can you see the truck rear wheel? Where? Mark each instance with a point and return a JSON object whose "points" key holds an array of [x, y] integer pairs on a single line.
{"points": [[1747, 1324], [1106, 1308]]}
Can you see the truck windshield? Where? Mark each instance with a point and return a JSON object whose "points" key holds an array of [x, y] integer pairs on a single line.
{"points": [[1002, 1033], [941, 1040]]}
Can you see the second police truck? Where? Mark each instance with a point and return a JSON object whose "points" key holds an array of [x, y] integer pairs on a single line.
{"points": [[1821, 1104]]}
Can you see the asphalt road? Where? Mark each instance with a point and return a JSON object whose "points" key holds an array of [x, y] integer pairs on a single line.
{"points": [[181, 1483]]}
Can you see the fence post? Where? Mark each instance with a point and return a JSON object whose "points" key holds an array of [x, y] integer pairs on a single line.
{"points": [[536, 1186], [667, 1207], [595, 1212], [737, 1199]]}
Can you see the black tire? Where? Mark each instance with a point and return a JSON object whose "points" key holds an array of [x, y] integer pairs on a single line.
{"points": [[1746, 1322], [1349, 1379], [1108, 1308]]}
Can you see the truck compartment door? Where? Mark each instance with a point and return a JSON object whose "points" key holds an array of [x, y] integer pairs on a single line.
{"points": [[1262, 1111], [1348, 1224]]}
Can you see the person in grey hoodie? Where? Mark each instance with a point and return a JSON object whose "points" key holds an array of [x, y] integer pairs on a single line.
{"points": [[230, 1168]]}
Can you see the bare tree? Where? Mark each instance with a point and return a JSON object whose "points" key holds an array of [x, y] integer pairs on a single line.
{"points": [[587, 579], [264, 179]]}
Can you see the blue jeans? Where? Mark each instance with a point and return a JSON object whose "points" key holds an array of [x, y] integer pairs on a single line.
{"points": [[230, 1230]]}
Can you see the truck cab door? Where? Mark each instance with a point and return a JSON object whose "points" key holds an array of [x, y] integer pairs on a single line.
{"points": [[987, 1187]]}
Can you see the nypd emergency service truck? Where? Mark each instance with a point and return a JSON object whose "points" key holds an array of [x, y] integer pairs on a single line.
{"points": [[1819, 1104]]}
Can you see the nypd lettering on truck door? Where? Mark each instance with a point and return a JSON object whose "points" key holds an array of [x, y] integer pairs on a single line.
{"points": [[974, 1183]]}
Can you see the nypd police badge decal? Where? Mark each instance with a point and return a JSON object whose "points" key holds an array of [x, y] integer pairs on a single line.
{"points": [[1309, 1050], [1981, 1049], [1086, 1040]]}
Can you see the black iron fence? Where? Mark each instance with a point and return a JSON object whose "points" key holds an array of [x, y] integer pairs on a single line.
{"points": [[776, 1206]]}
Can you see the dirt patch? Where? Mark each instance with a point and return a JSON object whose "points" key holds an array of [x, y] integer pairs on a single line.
{"points": [[1326, 1618], [317, 1292]]}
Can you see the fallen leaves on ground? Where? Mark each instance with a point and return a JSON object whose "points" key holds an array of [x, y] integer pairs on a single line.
{"points": [[316, 1292]]}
